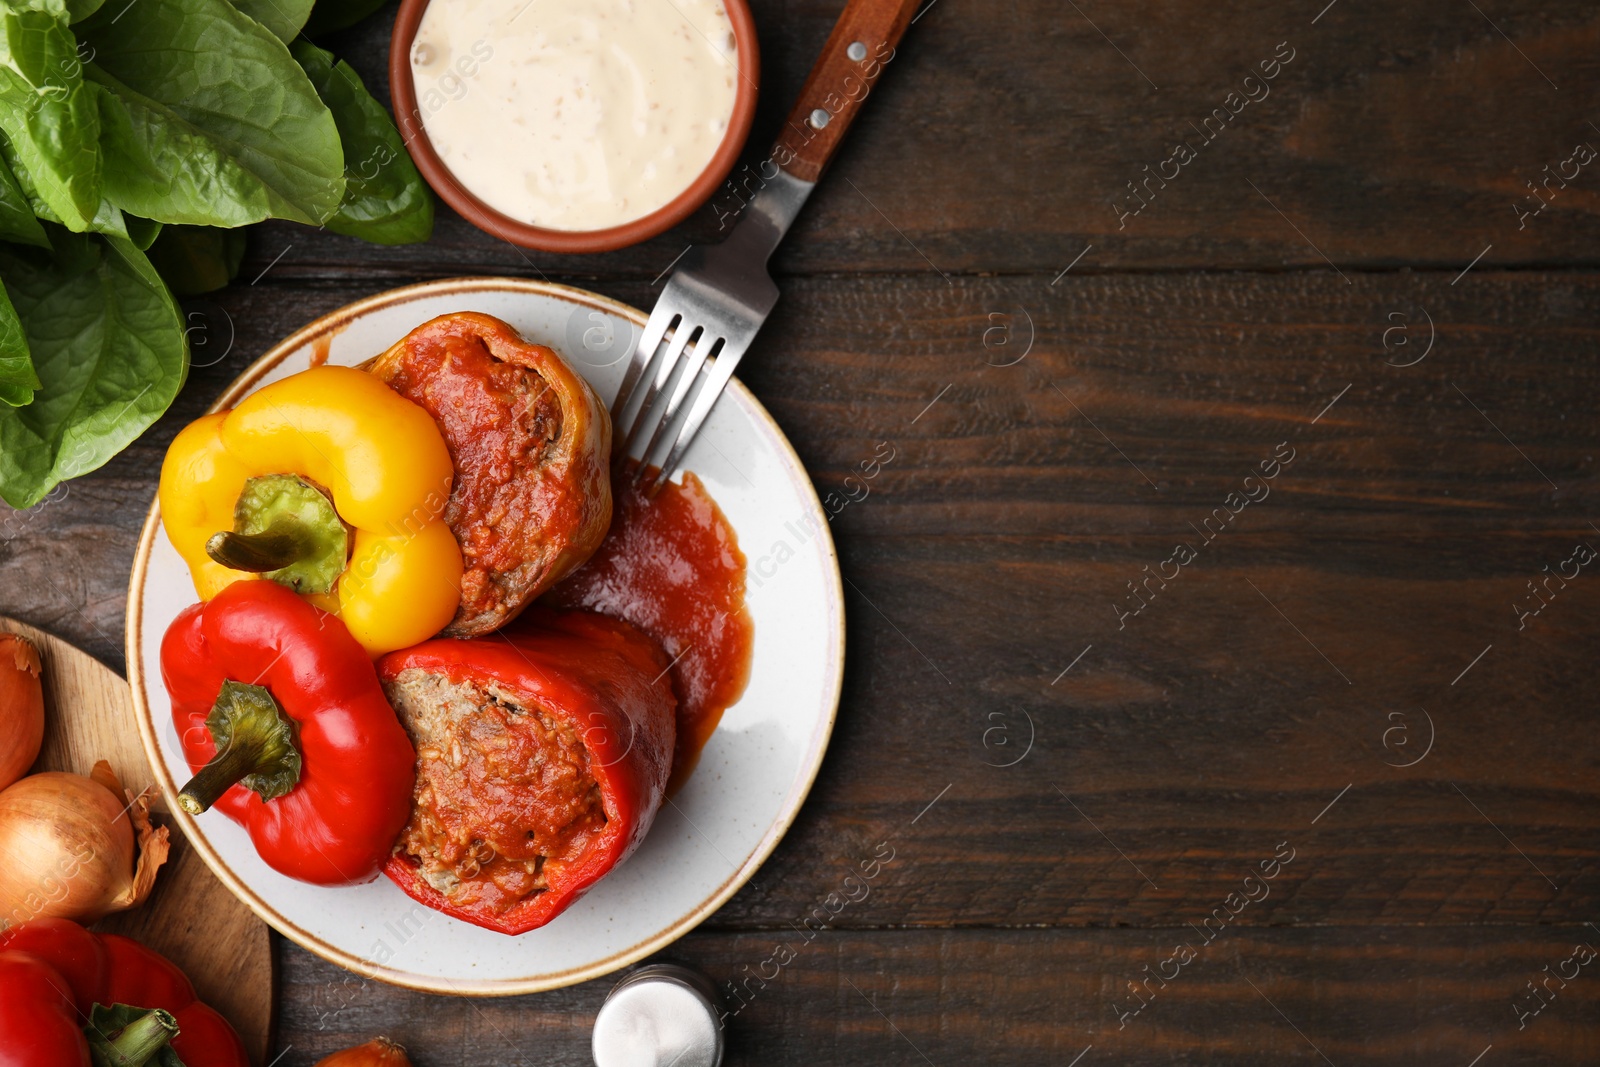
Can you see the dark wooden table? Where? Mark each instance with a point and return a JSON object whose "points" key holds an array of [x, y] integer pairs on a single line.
{"points": [[1343, 683]]}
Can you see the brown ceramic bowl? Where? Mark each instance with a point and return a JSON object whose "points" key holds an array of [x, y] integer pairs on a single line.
{"points": [[486, 218]]}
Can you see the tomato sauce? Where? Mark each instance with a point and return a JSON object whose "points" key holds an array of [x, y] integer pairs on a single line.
{"points": [[499, 419], [320, 349], [671, 566]]}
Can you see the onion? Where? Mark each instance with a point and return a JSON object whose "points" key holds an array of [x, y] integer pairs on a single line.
{"points": [[69, 847], [21, 707], [379, 1052]]}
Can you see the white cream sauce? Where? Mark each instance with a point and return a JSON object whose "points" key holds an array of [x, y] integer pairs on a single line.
{"points": [[575, 114]]}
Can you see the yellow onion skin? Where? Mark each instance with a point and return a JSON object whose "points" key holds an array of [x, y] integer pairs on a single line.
{"points": [[69, 848], [379, 1052], [21, 707]]}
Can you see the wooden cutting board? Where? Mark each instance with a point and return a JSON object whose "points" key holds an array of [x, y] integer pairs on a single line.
{"points": [[190, 918]]}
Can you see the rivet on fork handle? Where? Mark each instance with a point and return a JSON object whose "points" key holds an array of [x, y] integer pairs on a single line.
{"points": [[862, 43]]}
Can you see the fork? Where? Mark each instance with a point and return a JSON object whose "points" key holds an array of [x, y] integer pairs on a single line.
{"points": [[719, 295]]}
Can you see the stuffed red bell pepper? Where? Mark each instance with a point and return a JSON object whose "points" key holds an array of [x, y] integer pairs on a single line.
{"points": [[69, 998], [542, 756], [283, 720]]}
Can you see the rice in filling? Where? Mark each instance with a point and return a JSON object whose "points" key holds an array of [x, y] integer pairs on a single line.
{"points": [[504, 792]]}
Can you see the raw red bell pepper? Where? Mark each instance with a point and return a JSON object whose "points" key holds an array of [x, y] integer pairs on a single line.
{"points": [[64, 989], [312, 760], [551, 775]]}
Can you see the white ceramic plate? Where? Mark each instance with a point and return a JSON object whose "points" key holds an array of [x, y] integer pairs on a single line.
{"points": [[754, 773]]}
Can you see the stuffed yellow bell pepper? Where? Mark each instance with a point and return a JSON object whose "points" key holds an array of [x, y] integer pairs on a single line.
{"points": [[330, 483]]}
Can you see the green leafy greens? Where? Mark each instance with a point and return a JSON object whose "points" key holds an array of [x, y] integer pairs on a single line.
{"points": [[197, 259], [17, 220], [160, 125], [384, 201], [106, 340], [285, 18], [209, 119], [17, 380], [47, 113]]}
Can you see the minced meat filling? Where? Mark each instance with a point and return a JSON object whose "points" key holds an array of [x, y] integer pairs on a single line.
{"points": [[500, 420], [503, 791]]}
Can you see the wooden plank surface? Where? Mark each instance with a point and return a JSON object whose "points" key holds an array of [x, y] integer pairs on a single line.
{"points": [[1252, 997], [1003, 138], [1066, 789]]}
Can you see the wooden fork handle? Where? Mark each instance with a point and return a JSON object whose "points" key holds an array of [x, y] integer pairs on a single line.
{"points": [[862, 43]]}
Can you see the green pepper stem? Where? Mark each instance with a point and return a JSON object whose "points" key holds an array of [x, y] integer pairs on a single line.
{"points": [[286, 529], [285, 542], [137, 1043], [255, 744], [245, 756]]}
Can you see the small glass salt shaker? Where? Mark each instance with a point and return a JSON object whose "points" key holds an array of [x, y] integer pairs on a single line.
{"points": [[659, 1014]]}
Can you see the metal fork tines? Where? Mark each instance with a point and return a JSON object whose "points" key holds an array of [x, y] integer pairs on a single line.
{"points": [[706, 317]]}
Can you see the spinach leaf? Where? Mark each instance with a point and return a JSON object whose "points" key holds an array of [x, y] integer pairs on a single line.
{"points": [[17, 222], [108, 346], [48, 115], [141, 232], [283, 17], [330, 15], [106, 219], [385, 200], [66, 10], [197, 259], [221, 125], [78, 10], [17, 380], [162, 167]]}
